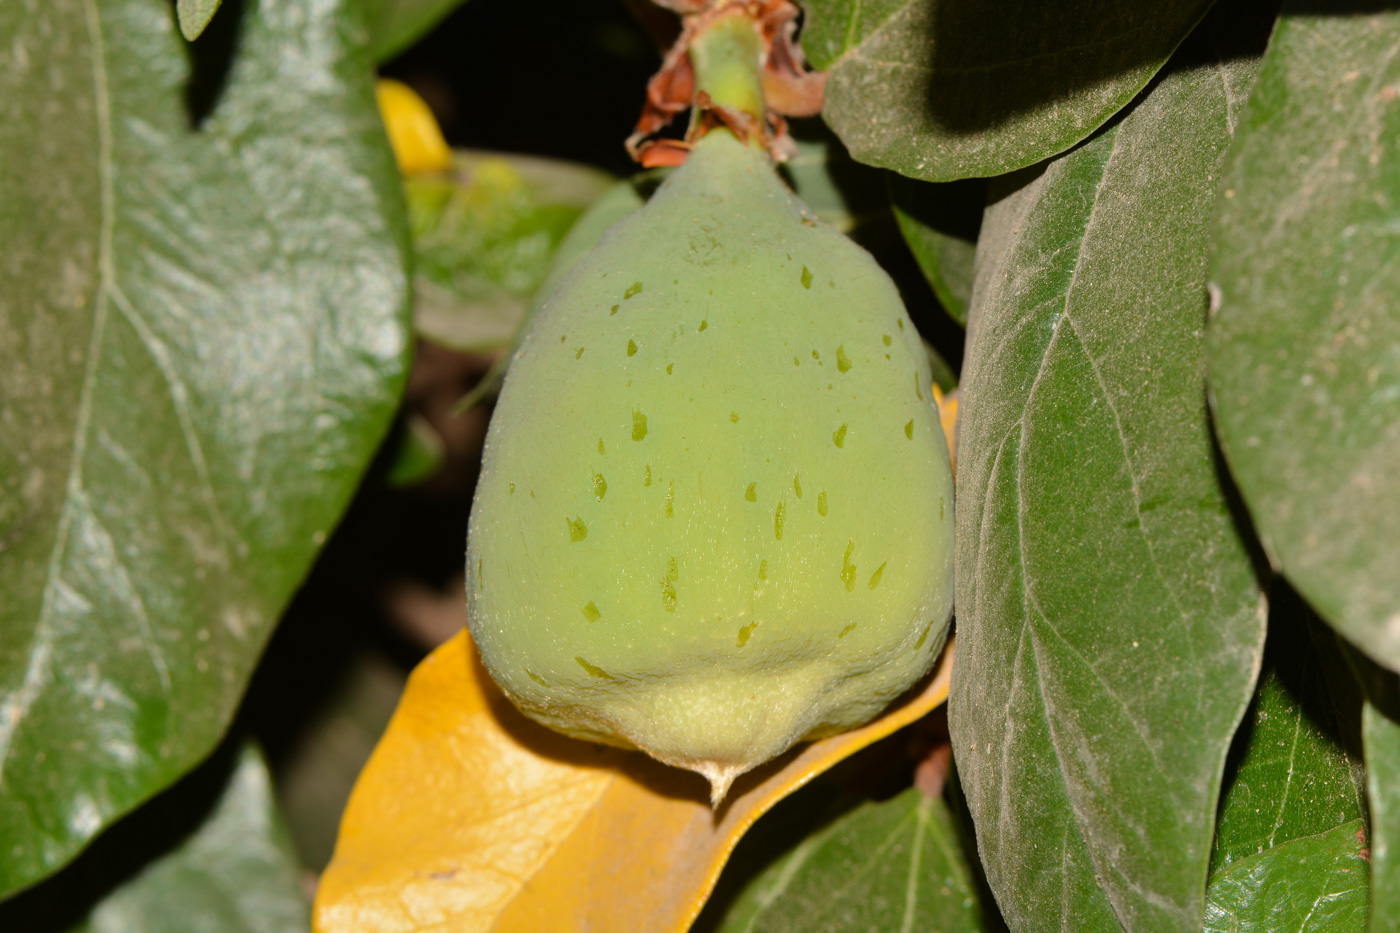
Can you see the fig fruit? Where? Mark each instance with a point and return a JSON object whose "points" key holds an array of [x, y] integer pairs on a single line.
{"points": [[715, 510]]}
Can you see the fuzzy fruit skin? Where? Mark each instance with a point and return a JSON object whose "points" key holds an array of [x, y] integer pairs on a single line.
{"points": [[718, 520]]}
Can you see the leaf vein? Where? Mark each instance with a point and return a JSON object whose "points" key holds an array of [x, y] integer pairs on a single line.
{"points": [[180, 402], [36, 672]]}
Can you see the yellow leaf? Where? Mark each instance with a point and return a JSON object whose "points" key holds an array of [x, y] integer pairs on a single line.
{"points": [[413, 131], [470, 817]]}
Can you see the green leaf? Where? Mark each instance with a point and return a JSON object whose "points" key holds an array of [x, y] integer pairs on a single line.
{"points": [[316, 771], [211, 855], [940, 224], [1297, 766], [941, 90], [418, 452], [397, 24], [202, 340], [195, 15], [484, 240], [1303, 365], [1110, 624], [894, 865], [1380, 731], [1316, 884]]}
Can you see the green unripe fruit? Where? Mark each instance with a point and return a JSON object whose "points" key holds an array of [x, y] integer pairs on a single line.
{"points": [[715, 509]]}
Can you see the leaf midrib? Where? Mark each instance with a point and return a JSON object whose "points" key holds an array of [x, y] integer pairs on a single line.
{"points": [[1030, 602], [40, 655]]}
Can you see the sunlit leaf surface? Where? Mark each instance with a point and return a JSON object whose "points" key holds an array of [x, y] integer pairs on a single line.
{"points": [[1315, 884], [202, 340], [1110, 623]]}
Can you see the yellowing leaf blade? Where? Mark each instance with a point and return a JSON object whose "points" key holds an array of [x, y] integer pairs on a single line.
{"points": [[470, 817]]}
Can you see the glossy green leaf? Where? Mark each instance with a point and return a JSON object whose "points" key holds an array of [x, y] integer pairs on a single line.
{"points": [[939, 223], [194, 16], [1304, 368], [211, 855], [397, 24], [202, 340], [484, 239], [1296, 768], [1316, 884], [1110, 625], [893, 865], [941, 90]]}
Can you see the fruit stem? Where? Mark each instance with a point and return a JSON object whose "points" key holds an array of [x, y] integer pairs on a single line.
{"points": [[727, 57]]}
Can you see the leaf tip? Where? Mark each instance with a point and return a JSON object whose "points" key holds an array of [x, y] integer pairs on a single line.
{"points": [[194, 16]]}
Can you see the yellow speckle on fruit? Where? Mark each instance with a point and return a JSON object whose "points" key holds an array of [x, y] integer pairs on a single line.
{"points": [[848, 569], [695, 685], [594, 670]]}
